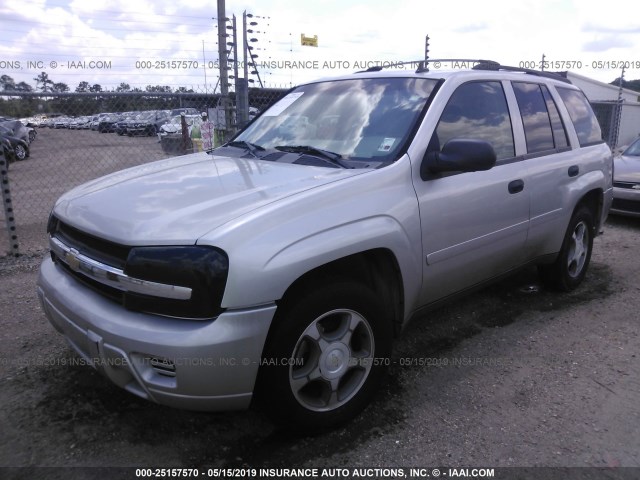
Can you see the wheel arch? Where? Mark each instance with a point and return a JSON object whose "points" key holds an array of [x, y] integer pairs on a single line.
{"points": [[594, 201], [378, 269]]}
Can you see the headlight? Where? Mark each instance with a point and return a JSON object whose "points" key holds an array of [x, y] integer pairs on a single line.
{"points": [[202, 269]]}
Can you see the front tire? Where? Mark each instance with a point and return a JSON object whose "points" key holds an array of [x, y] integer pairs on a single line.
{"points": [[570, 268], [325, 356]]}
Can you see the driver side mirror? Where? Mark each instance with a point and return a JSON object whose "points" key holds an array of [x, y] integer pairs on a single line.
{"points": [[459, 155]]}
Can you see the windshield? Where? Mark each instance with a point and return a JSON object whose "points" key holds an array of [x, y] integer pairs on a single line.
{"points": [[359, 119]]}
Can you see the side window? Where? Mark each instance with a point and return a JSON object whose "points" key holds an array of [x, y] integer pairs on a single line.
{"points": [[559, 132], [535, 117], [478, 111], [582, 116]]}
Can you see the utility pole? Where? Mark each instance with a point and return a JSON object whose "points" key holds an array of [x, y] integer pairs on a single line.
{"points": [[222, 61], [245, 44], [242, 85]]}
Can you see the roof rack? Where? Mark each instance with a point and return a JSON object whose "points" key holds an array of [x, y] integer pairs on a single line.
{"points": [[537, 73], [479, 64]]}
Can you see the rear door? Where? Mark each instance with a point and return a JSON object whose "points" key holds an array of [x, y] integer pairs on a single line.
{"points": [[556, 168]]}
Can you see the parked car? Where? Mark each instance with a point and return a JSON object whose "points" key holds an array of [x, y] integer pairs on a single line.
{"points": [[107, 124], [62, 122], [80, 123], [17, 129], [626, 182], [280, 266], [147, 123], [120, 127], [174, 125], [20, 148], [96, 119]]}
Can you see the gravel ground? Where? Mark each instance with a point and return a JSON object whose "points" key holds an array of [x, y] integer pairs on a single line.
{"points": [[511, 376]]}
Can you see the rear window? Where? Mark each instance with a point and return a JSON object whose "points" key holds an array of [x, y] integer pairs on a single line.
{"points": [[582, 116], [535, 117]]}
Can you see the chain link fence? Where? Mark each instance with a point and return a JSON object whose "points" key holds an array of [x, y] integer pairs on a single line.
{"points": [[64, 140], [619, 121]]}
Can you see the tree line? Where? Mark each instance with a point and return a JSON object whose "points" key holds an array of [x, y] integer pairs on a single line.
{"points": [[45, 85], [20, 107]]}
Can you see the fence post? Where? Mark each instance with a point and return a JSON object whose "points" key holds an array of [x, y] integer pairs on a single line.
{"points": [[8, 206]]}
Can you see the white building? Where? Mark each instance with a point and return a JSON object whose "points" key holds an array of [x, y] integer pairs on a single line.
{"points": [[604, 99]]}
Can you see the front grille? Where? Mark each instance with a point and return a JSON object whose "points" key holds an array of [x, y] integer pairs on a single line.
{"points": [[626, 205], [174, 281], [101, 250], [104, 290]]}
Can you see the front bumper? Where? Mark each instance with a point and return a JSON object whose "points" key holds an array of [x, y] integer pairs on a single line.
{"points": [[194, 365], [625, 202]]}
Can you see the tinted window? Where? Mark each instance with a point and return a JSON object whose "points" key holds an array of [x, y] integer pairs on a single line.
{"points": [[478, 111], [535, 118], [559, 132], [582, 116]]}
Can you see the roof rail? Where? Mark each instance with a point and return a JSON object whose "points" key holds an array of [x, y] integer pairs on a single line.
{"points": [[537, 73], [479, 64]]}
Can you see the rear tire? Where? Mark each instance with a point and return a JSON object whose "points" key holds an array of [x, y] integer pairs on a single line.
{"points": [[335, 343], [570, 268]]}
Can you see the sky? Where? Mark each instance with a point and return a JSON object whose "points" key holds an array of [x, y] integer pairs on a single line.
{"points": [[174, 43]]}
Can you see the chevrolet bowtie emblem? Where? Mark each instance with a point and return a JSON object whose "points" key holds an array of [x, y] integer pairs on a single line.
{"points": [[71, 257]]}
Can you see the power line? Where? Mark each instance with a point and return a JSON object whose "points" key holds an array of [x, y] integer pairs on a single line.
{"points": [[117, 12], [43, 25]]}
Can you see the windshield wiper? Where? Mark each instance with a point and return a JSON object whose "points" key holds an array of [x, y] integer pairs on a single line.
{"points": [[252, 148], [332, 157]]}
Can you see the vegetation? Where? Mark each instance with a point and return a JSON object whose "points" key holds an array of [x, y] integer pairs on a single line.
{"points": [[86, 104], [630, 84]]}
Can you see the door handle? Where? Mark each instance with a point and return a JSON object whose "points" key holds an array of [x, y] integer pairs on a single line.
{"points": [[574, 170], [516, 186]]}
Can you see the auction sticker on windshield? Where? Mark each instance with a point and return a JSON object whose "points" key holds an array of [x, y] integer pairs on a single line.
{"points": [[386, 144]]}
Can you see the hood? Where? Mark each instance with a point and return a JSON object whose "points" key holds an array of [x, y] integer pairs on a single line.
{"points": [[178, 200], [627, 169]]}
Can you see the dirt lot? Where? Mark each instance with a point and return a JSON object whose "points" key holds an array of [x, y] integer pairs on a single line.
{"points": [[511, 376]]}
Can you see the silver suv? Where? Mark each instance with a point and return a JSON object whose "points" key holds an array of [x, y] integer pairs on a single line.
{"points": [[280, 266]]}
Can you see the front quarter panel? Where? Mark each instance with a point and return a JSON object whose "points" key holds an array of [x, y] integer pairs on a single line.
{"points": [[274, 245]]}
